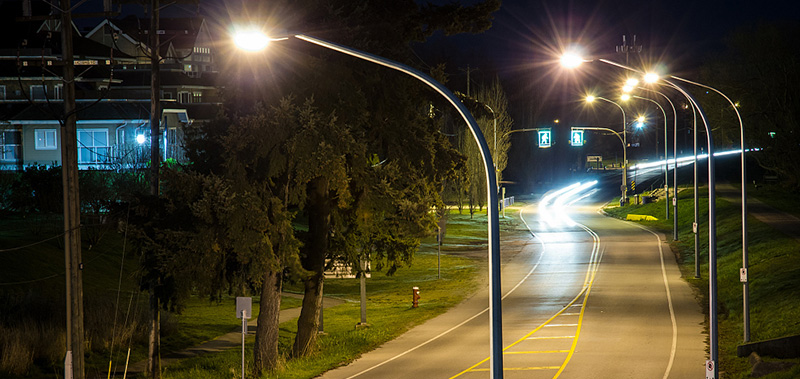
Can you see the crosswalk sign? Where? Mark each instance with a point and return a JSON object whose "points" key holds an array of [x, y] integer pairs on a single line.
{"points": [[544, 138], [576, 137]]}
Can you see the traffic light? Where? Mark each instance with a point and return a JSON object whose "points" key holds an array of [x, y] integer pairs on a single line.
{"points": [[576, 137], [544, 138]]}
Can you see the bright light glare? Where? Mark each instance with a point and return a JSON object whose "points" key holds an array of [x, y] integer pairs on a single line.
{"points": [[651, 77], [639, 125], [251, 40], [590, 98], [640, 118], [625, 97], [552, 207], [627, 88], [140, 138], [632, 82], [571, 60]]}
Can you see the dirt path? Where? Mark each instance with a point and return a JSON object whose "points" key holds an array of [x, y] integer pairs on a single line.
{"points": [[225, 341]]}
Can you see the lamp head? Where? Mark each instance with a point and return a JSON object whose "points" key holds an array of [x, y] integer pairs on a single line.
{"points": [[625, 97], [251, 40], [651, 77], [590, 98], [571, 60]]}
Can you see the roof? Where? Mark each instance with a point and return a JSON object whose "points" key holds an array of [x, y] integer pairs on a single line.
{"points": [[104, 110], [181, 32]]}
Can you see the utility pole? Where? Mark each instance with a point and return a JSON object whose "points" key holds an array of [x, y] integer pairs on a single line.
{"points": [[626, 49], [154, 341], [468, 70], [73, 361]]}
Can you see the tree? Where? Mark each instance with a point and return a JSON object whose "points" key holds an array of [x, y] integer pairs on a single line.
{"points": [[371, 175], [760, 68]]}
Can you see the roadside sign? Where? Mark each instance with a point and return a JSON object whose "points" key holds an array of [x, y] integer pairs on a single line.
{"points": [[544, 138], [244, 307], [594, 158], [711, 371], [743, 275], [576, 137]]}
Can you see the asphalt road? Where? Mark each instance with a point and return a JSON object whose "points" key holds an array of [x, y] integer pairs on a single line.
{"points": [[597, 298]]}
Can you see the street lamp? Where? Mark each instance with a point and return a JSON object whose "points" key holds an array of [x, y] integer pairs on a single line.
{"points": [[666, 155], [495, 294], [745, 279], [674, 161], [494, 117], [712, 364], [624, 187]]}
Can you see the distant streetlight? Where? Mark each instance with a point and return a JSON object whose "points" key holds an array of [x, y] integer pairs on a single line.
{"points": [[624, 187], [674, 162], [713, 362], [666, 156], [495, 294]]}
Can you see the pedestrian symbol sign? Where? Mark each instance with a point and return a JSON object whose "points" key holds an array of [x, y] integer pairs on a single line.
{"points": [[576, 138], [544, 138]]}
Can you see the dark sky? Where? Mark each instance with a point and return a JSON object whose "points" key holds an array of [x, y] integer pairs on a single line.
{"points": [[528, 36]]}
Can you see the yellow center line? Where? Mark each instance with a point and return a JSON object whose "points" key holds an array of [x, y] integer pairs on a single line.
{"points": [[536, 352], [588, 281], [580, 324]]}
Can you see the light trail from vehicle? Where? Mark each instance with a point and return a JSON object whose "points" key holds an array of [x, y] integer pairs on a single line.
{"points": [[683, 161], [552, 208]]}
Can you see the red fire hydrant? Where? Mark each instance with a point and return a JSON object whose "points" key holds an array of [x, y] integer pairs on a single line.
{"points": [[414, 297]]}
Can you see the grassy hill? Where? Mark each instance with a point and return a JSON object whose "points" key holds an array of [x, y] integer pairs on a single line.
{"points": [[774, 271]]}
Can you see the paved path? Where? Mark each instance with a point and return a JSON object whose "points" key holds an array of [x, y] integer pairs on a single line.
{"points": [[227, 341], [779, 220]]}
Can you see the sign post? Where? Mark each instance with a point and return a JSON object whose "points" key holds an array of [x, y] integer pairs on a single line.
{"points": [[244, 310]]}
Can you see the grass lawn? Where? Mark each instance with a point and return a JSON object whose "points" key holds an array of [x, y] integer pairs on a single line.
{"points": [[774, 265], [389, 314], [389, 311]]}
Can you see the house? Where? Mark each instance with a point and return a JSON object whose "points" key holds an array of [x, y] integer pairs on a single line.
{"points": [[112, 82]]}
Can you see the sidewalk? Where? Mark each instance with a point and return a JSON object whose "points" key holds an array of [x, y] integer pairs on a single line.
{"points": [[225, 341], [779, 220]]}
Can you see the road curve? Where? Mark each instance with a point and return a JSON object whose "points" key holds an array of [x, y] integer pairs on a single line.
{"points": [[584, 299]]}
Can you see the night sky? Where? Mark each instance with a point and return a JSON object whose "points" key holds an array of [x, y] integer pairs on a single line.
{"points": [[527, 37]]}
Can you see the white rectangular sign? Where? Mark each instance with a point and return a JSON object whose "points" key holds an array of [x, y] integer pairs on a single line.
{"points": [[244, 304]]}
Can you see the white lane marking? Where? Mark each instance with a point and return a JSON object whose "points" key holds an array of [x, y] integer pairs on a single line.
{"points": [[471, 318], [669, 302]]}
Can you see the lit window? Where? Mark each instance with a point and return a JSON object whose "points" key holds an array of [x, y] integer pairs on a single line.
{"points": [[93, 146], [11, 145], [45, 139]]}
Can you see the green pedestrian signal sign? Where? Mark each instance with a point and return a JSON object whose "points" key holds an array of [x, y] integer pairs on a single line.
{"points": [[576, 137], [544, 138]]}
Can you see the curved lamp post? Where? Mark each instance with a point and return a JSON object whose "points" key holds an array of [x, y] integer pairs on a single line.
{"points": [[255, 41], [744, 278], [674, 161], [666, 155], [571, 60], [624, 187]]}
